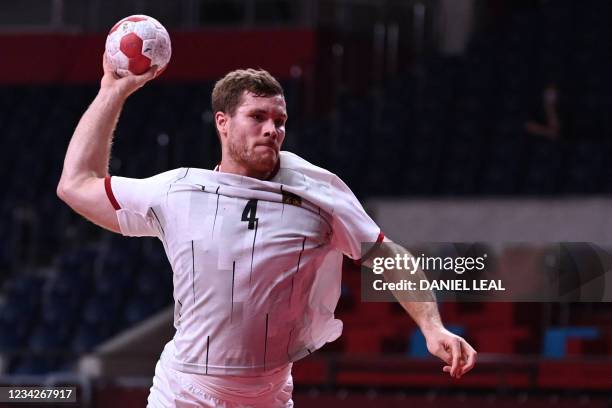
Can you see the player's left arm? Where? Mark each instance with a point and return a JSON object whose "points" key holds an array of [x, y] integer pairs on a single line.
{"points": [[457, 353], [352, 226]]}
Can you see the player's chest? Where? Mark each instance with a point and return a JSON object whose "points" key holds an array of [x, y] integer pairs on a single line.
{"points": [[223, 219]]}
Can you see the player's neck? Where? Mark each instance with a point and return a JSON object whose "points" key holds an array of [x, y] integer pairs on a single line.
{"points": [[227, 166]]}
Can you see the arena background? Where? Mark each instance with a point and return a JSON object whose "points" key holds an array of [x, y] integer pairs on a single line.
{"points": [[420, 106]]}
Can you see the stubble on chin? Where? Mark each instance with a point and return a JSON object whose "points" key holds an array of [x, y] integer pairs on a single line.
{"points": [[249, 159]]}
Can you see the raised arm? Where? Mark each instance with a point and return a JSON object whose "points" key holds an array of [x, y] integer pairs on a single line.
{"points": [[81, 185], [421, 305]]}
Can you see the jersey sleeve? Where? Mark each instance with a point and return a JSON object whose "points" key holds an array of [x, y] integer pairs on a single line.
{"points": [[137, 201], [351, 224]]}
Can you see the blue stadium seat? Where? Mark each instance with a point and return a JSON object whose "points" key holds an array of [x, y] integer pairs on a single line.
{"points": [[100, 310], [87, 336], [12, 336], [139, 309], [555, 339], [33, 365], [48, 338]]}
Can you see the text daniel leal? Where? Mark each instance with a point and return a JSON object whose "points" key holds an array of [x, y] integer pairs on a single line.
{"points": [[454, 285]]}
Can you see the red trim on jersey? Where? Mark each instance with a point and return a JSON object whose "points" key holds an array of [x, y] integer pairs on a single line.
{"points": [[379, 240], [109, 193]]}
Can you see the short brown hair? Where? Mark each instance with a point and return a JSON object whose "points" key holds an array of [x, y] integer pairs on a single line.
{"points": [[228, 91]]}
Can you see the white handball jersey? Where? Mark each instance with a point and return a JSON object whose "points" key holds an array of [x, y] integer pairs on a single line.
{"points": [[257, 264]]}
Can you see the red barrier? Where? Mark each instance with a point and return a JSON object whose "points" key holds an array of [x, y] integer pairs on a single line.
{"points": [[202, 55], [577, 374]]}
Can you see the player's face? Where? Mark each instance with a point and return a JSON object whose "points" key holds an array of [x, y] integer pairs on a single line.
{"points": [[256, 132]]}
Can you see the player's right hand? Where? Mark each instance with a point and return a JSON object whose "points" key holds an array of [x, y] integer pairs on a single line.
{"points": [[127, 85], [457, 353]]}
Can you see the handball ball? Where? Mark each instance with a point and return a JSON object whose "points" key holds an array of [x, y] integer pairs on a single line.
{"points": [[136, 43]]}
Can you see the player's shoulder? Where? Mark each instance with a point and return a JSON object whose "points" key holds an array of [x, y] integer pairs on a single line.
{"points": [[169, 176], [159, 178], [293, 162]]}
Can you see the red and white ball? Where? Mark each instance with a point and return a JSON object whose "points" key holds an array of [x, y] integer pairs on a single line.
{"points": [[136, 43]]}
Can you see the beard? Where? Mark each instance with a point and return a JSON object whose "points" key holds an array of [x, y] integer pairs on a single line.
{"points": [[250, 158]]}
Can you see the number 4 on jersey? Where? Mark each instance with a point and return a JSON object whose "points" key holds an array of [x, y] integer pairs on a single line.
{"points": [[249, 212]]}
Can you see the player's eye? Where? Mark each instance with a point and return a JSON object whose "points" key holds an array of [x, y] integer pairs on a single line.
{"points": [[258, 117], [279, 123]]}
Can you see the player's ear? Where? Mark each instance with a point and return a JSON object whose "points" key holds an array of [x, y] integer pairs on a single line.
{"points": [[221, 120]]}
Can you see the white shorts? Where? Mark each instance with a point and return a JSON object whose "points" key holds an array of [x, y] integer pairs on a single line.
{"points": [[172, 388]]}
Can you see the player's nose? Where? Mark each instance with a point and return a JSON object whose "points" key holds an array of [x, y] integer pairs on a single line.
{"points": [[270, 129]]}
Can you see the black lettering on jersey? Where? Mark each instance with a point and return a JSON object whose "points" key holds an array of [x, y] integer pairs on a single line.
{"points": [[249, 213]]}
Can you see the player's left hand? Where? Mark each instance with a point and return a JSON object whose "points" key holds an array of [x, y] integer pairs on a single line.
{"points": [[457, 353]]}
